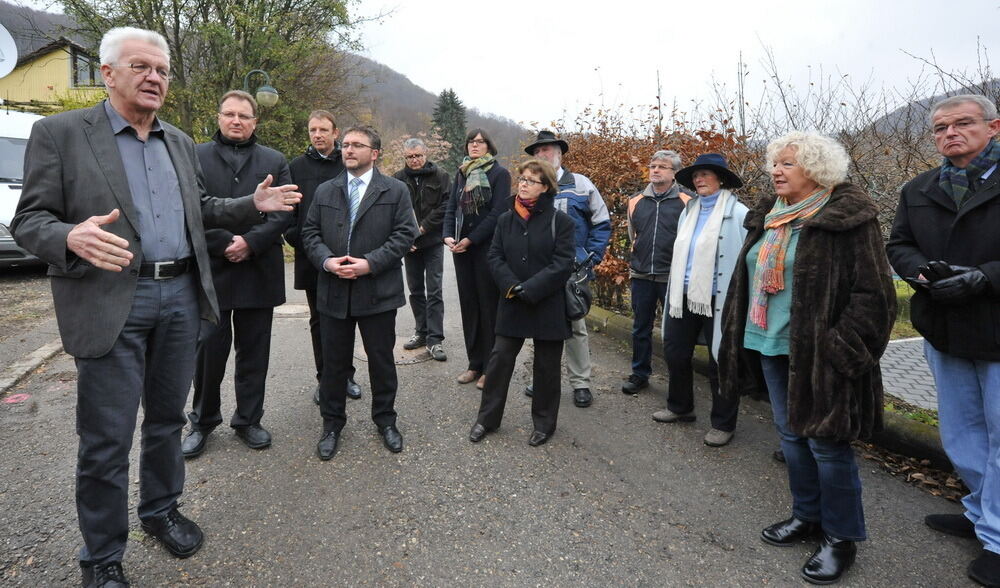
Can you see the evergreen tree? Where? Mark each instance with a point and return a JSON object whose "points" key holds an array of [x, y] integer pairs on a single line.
{"points": [[449, 122]]}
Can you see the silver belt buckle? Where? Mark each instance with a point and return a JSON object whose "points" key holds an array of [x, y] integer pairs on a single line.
{"points": [[156, 269]]}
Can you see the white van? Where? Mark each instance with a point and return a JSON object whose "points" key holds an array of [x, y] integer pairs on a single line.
{"points": [[14, 130]]}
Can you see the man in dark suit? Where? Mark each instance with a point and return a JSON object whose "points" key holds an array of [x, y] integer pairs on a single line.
{"points": [[248, 269], [113, 201], [320, 162], [357, 230]]}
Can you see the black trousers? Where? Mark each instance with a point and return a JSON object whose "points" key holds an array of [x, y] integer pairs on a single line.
{"points": [[545, 381], [478, 297], [252, 330], [314, 333], [378, 334], [680, 335], [424, 273]]}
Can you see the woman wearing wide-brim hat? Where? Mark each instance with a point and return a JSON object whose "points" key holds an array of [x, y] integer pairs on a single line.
{"points": [[709, 236]]}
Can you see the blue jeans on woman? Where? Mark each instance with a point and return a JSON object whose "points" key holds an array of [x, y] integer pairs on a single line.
{"points": [[822, 473]]}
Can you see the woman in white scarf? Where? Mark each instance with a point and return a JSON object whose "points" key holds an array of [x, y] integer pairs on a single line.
{"points": [[709, 236]]}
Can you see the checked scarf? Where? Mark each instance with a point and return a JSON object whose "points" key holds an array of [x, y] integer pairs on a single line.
{"points": [[769, 277], [955, 182], [477, 190]]}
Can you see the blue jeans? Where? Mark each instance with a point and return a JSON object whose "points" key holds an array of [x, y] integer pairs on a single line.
{"points": [[969, 417], [646, 295], [822, 474]]}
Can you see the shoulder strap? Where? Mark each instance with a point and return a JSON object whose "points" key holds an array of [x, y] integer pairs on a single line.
{"points": [[554, 224]]}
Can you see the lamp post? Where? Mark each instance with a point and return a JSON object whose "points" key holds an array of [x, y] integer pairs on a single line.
{"points": [[266, 95]]}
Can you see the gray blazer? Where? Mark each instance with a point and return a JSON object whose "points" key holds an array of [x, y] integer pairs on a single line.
{"points": [[73, 171], [383, 233]]}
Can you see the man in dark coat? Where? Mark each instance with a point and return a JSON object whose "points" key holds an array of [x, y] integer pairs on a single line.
{"points": [[320, 162], [357, 231], [248, 269], [945, 241], [429, 190]]}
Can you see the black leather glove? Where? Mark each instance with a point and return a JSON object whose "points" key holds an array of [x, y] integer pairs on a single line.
{"points": [[966, 283]]}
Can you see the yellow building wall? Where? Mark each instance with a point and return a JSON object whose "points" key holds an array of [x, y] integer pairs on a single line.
{"points": [[46, 78]]}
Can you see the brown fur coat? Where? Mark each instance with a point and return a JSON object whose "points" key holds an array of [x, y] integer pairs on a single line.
{"points": [[843, 308]]}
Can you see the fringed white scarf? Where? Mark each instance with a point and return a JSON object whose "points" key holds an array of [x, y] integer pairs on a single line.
{"points": [[699, 290]]}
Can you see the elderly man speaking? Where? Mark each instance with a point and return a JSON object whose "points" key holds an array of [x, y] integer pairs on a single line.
{"points": [[114, 202]]}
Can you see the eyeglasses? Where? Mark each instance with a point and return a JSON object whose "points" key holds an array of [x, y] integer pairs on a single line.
{"points": [[242, 117], [960, 125], [529, 181], [476, 142], [416, 156], [356, 146], [144, 69]]}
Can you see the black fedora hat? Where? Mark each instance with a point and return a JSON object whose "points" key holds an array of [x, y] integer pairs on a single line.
{"points": [[546, 137], [714, 162]]}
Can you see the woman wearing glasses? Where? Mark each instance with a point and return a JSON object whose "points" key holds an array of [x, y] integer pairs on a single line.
{"points": [[478, 196], [531, 258]]}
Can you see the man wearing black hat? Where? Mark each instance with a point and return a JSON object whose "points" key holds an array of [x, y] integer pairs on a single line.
{"points": [[579, 198]]}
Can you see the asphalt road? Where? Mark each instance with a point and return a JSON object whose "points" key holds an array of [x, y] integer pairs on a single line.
{"points": [[614, 499]]}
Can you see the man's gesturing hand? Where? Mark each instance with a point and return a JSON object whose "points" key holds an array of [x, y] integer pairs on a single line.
{"points": [[102, 249], [277, 198]]}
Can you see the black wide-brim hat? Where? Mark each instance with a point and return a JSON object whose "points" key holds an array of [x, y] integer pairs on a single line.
{"points": [[547, 138], [714, 162]]}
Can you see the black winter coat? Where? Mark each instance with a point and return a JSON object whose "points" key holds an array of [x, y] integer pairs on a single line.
{"points": [[928, 227], [429, 192], [524, 252], [842, 311], [308, 172], [479, 227], [383, 232], [258, 282]]}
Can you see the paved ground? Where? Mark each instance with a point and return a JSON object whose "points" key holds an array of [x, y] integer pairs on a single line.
{"points": [[906, 375], [613, 499]]}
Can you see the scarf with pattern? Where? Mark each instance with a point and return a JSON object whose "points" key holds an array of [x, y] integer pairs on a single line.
{"points": [[955, 182], [477, 190], [524, 208]]}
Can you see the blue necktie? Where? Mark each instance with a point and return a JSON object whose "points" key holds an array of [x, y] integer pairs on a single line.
{"points": [[354, 196]]}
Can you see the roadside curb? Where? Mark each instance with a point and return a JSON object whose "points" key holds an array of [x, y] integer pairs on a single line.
{"points": [[900, 434], [17, 371]]}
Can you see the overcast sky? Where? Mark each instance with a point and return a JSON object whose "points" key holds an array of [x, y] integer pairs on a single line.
{"points": [[533, 61]]}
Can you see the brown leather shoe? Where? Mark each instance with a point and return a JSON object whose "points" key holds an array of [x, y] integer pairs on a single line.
{"points": [[467, 376], [481, 383]]}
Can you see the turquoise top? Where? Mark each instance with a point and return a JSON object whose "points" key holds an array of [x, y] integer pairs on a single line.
{"points": [[707, 206], [775, 339]]}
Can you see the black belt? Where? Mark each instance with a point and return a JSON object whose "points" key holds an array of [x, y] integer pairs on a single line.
{"points": [[162, 270]]}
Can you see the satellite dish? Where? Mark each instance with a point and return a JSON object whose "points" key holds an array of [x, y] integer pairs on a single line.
{"points": [[8, 52]]}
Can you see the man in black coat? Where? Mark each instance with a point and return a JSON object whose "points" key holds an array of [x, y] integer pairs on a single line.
{"points": [[248, 270], [429, 190], [320, 162], [945, 242], [357, 231]]}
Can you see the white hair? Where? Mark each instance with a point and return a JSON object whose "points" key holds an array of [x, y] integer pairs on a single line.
{"points": [[985, 104], [111, 42], [824, 160], [414, 143]]}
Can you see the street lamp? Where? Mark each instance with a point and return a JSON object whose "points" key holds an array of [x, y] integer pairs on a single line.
{"points": [[266, 95]]}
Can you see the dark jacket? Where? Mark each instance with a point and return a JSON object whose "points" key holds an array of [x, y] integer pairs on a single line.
{"points": [[232, 171], [652, 228], [429, 188], [928, 228], [383, 232], [843, 307], [479, 227], [525, 253], [308, 172]]}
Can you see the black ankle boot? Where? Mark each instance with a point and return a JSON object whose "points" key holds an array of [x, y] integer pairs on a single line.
{"points": [[831, 559], [789, 532]]}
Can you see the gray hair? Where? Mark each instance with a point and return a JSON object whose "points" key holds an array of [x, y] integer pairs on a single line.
{"points": [[413, 143], [111, 42], [985, 104], [667, 155], [824, 160]]}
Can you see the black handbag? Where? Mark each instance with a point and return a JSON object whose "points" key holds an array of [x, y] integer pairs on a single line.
{"points": [[577, 291]]}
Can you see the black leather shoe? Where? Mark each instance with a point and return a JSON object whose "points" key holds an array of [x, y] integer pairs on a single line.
{"points": [[789, 532], [316, 394], [778, 455], [109, 575], [391, 438], [254, 436], [538, 438], [831, 559], [327, 446], [952, 524], [180, 535], [194, 444], [634, 384], [529, 391], [582, 397], [477, 433], [353, 390], [985, 569]]}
